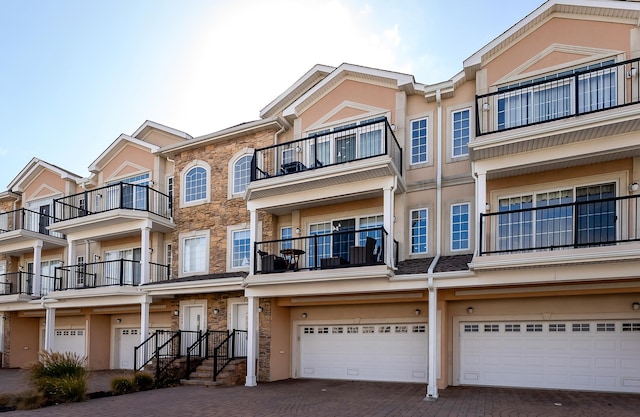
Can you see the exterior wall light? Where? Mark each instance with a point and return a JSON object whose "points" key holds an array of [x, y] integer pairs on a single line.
{"points": [[635, 306], [470, 310], [176, 312], [216, 311], [304, 315], [634, 187], [260, 309], [417, 312]]}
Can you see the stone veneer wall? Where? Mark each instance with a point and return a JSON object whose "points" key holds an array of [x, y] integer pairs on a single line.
{"points": [[221, 211], [264, 348]]}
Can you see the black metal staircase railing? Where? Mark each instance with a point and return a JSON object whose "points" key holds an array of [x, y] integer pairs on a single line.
{"points": [[221, 346]]}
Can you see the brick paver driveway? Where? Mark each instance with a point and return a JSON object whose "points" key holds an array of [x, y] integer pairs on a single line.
{"points": [[320, 398]]}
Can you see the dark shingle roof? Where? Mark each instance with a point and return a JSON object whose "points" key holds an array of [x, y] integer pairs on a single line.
{"points": [[203, 277], [453, 263]]}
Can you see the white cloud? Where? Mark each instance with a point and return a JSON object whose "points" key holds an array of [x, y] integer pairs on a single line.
{"points": [[251, 51]]}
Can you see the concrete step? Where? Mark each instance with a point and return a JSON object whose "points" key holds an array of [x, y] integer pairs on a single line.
{"points": [[201, 382]]}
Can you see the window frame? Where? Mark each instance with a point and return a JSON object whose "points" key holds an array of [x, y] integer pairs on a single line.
{"points": [[183, 184], [412, 236], [413, 147], [453, 231], [244, 185], [231, 172], [199, 234], [453, 132]]}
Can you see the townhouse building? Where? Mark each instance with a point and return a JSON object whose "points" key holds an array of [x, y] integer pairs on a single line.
{"points": [[478, 231]]}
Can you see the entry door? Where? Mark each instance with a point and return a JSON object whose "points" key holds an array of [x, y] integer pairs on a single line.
{"points": [[194, 323], [240, 321], [342, 240]]}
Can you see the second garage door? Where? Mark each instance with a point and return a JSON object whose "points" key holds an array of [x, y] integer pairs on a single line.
{"points": [[382, 352], [584, 355], [67, 340]]}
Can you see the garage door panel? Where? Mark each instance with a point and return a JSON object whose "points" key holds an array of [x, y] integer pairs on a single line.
{"points": [[587, 355], [396, 352]]}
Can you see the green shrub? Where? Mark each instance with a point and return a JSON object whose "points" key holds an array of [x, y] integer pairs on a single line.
{"points": [[27, 400], [60, 377], [143, 381], [121, 385]]}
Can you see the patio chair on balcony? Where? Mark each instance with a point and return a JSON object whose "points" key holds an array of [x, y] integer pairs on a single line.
{"points": [[292, 167], [271, 263], [364, 255]]}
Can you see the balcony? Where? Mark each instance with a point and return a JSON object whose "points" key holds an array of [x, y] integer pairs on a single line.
{"points": [[19, 228], [564, 231], [359, 151], [112, 205], [120, 272], [344, 249], [16, 283], [559, 96]]}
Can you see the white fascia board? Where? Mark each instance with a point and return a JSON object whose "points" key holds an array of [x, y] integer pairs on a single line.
{"points": [[94, 165], [314, 73], [476, 58], [401, 80], [161, 127]]}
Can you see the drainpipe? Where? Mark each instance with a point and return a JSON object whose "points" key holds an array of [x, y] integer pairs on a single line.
{"points": [[432, 384]]}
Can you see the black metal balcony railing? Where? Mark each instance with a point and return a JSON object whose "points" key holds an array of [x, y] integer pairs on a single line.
{"points": [[13, 283], [322, 251], [573, 225], [112, 197], [367, 139], [25, 219], [120, 272], [560, 96]]}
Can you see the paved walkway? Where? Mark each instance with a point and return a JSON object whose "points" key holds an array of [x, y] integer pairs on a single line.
{"points": [[324, 398]]}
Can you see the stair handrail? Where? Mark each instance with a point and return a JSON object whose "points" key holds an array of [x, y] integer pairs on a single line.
{"points": [[197, 345]]}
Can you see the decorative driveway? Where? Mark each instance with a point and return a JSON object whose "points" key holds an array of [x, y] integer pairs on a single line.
{"points": [[320, 398]]}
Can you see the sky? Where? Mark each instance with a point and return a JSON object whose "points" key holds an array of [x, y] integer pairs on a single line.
{"points": [[75, 74]]}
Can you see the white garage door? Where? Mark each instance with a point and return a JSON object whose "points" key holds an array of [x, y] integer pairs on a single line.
{"points": [[383, 352], [127, 340], [67, 340], [592, 355]]}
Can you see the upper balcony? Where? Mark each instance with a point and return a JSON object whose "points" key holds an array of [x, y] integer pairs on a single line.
{"points": [[584, 230], [113, 205], [579, 104], [19, 228], [360, 151], [324, 251]]}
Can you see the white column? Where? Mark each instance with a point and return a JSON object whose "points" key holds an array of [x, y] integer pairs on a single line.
{"points": [[432, 374], [253, 236], [145, 246], [144, 318], [71, 253], [388, 221], [50, 328], [37, 268], [481, 203], [252, 342]]}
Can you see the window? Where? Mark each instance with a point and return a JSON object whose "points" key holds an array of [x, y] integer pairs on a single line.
{"points": [[419, 231], [170, 192], [241, 248], [460, 226], [461, 132], [169, 256], [548, 219], [552, 96], [241, 174], [195, 184], [194, 255], [419, 141], [286, 233], [127, 271], [319, 247]]}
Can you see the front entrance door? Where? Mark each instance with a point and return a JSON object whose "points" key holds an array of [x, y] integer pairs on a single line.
{"points": [[45, 212], [194, 324], [240, 321]]}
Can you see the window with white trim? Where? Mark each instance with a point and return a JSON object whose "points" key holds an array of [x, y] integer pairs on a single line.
{"points": [[460, 226], [241, 174], [194, 253], [241, 251], [170, 192], [460, 132], [195, 184], [286, 233], [419, 230], [419, 138]]}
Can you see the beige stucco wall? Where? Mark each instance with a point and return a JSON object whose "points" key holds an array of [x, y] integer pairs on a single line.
{"points": [[23, 334]]}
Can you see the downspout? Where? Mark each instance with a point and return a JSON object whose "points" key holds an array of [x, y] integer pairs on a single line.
{"points": [[432, 381]]}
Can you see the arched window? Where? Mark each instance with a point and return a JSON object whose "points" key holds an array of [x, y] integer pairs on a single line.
{"points": [[241, 174], [195, 184]]}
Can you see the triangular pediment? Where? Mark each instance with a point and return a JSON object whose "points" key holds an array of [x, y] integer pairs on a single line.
{"points": [[557, 57], [347, 112], [44, 191], [127, 169]]}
